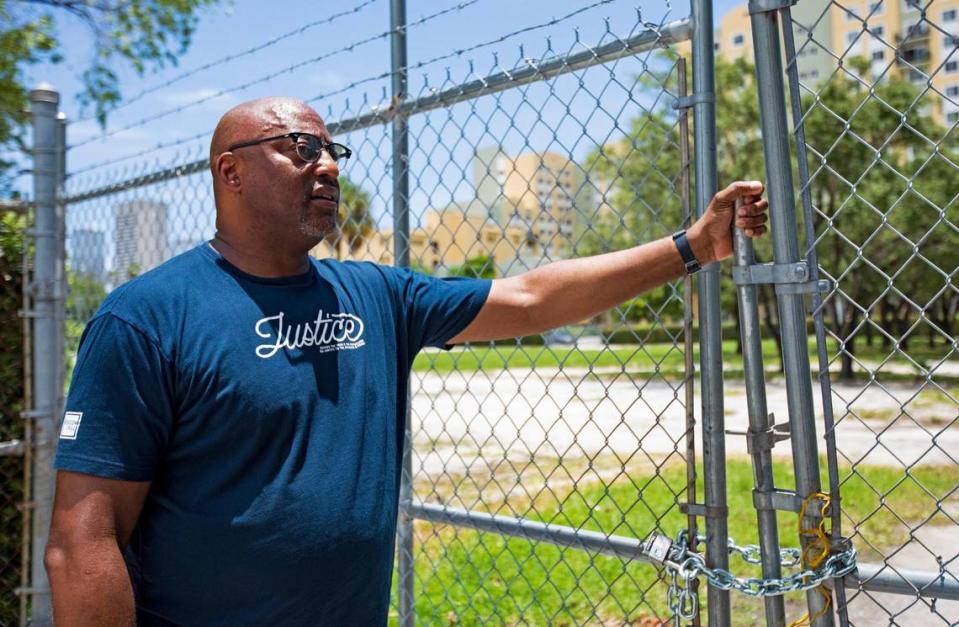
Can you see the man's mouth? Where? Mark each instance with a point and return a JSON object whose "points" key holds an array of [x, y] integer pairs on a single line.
{"points": [[328, 195]]}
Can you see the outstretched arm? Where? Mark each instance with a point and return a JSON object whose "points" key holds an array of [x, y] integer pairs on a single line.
{"points": [[574, 289]]}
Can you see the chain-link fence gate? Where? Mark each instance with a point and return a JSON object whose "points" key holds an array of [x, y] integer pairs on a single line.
{"points": [[537, 466]]}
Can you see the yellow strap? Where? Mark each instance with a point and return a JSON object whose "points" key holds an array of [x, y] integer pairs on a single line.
{"points": [[815, 552]]}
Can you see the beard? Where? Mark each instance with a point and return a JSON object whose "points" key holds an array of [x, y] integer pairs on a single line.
{"points": [[318, 224]]}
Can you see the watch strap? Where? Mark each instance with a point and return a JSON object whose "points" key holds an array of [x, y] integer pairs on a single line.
{"points": [[686, 252]]}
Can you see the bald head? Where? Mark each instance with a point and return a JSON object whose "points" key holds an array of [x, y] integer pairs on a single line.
{"points": [[256, 118]]}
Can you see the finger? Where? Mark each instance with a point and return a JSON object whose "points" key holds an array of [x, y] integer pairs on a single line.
{"points": [[755, 232], [739, 189], [752, 222], [752, 198], [753, 209]]}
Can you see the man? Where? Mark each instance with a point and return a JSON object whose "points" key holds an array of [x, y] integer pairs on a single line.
{"points": [[231, 449]]}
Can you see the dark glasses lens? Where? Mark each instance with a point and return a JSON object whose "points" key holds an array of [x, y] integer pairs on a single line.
{"points": [[308, 148]]}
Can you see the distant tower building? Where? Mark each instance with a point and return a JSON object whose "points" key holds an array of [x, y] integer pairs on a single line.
{"points": [[87, 254], [141, 237], [542, 193]]}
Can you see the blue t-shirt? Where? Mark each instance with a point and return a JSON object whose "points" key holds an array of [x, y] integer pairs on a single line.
{"points": [[268, 414]]}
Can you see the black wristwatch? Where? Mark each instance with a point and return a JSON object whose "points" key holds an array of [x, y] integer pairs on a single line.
{"points": [[686, 252]]}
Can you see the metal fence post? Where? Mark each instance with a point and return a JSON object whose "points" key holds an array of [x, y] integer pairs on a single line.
{"points": [[401, 244], [46, 382], [710, 321], [792, 316], [760, 425]]}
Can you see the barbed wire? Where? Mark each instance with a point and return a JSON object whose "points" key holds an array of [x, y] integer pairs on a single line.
{"points": [[350, 48], [233, 57], [140, 153], [384, 75]]}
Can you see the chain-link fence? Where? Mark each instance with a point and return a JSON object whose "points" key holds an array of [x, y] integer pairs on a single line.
{"points": [[879, 90], [551, 148], [536, 465]]}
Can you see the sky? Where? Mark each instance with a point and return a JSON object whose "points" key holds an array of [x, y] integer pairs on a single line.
{"points": [[339, 64], [233, 27]]}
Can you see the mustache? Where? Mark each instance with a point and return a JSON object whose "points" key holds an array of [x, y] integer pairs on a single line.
{"points": [[324, 186]]}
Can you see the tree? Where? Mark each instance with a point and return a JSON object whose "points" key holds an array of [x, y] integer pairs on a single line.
{"points": [[479, 267], [642, 174], [354, 220], [144, 34], [884, 206], [871, 214]]}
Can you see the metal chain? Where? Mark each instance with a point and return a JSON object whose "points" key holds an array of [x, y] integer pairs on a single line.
{"points": [[685, 565]]}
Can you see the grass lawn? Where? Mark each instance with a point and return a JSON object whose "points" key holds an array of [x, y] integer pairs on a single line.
{"points": [[665, 359], [471, 578]]}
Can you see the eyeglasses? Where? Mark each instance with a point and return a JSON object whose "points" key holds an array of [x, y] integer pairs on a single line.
{"points": [[308, 147]]}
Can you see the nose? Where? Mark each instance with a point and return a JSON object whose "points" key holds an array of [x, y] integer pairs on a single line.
{"points": [[326, 165]]}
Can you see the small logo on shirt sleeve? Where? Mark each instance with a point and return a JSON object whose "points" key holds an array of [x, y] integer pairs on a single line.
{"points": [[71, 424]]}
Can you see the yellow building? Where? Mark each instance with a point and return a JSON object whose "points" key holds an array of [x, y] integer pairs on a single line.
{"points": [[523, 215], [448, 238], [454, 235], [537, 193], [892, 34]]}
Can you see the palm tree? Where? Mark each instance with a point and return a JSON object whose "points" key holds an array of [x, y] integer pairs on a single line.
{"points": [[354, 220]]}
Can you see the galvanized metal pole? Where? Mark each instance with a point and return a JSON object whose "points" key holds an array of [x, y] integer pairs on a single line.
{"points": [[46, 383], [760, 426], [401, 246], [60, 286], [785, 240], [692, 527], [825, 386], [710, 321]]}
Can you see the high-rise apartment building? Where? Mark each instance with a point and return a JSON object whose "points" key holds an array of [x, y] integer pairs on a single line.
{"points": [[86, 253], [141, 237], [541, 193], [916, 39]]}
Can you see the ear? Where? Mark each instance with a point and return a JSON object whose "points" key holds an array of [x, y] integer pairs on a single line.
{"points": [[228, 172]]}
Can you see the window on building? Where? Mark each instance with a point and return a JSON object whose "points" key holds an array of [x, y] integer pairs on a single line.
{"points": [[813, 50], [949, 16], [852, 36], [877, 31], [876, 8], [878, 55], [851, 15], [952, 117], [952, 67], [952, 91], [716, 47], [738, 40], [916, 55], [814, 74]]}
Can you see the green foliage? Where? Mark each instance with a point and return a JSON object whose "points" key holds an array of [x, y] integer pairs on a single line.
{"points": [[354, 219], [11, 404], [479, 267], [144, 34], [887, 194]]}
